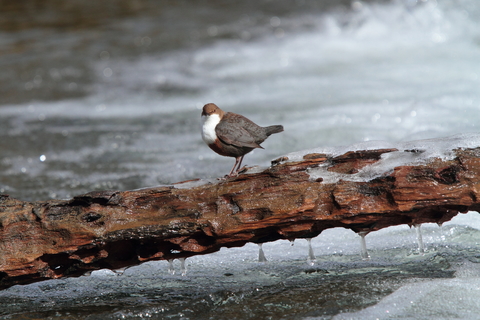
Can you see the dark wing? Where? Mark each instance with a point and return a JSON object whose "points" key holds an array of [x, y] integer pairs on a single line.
{"points": [[231, 132]]}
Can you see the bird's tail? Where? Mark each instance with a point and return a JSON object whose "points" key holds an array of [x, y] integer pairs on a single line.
{"points": [[273, 129]]}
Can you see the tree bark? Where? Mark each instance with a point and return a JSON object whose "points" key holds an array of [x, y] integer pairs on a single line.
{"points": [[114, 229]]}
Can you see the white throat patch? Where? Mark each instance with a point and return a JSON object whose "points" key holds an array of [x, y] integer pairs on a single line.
{"points": [[208, 128]]}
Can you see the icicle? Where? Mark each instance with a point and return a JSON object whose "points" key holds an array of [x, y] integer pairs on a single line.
{"points": [[421, 247], [311, 256], [119, 271], [183, 267], [363, 244], [171, 269], [261, 254]]}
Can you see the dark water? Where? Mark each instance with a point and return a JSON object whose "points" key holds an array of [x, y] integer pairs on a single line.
{"points": [[49, 47]]}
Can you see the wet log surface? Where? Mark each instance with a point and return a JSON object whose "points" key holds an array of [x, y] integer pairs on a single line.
{"points": [[291, 199]]}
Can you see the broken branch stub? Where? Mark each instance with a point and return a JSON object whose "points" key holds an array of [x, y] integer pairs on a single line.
{"points": [[291, 199]]}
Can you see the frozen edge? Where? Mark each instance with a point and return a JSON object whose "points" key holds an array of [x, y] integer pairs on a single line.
{"points": [[409, 153]]}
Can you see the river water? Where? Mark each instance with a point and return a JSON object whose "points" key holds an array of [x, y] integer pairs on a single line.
{"points": [[107, 95]]}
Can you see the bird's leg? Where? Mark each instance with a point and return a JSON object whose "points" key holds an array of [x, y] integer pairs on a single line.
{"points": [[236, 167], [233, 173], [239, 164], [240, 168]]}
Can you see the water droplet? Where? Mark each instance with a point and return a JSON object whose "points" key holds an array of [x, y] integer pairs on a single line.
{"points": [[212, 31], [55, 74], [37, 80], [104, 55], [357, 5], [275, 21], [107, 72], [42, 158]]}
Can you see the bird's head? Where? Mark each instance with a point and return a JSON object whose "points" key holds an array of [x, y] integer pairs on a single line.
{"points": [[210, 109]]}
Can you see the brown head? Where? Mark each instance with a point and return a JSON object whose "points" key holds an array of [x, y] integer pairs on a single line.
{"points": [[211, 108]]}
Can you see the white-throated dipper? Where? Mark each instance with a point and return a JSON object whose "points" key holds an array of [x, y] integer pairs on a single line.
{"points": [[232, 135]]}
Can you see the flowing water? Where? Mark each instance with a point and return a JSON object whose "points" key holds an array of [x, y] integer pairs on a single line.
{"points": [[107, 95]]}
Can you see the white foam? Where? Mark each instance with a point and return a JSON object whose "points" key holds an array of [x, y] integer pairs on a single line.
{"points": [[432, 299]]}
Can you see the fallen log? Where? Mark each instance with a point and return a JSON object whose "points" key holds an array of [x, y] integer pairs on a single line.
{"points": [[298, 196]]}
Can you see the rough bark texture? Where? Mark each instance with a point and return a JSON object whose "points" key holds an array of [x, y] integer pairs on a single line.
{"points": [[114, 229]]}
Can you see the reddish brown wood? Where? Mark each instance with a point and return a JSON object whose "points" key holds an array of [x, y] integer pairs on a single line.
{"points": [[114, 229]]}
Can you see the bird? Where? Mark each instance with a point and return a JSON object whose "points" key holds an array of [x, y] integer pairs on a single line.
{"points": [[232, 135]]}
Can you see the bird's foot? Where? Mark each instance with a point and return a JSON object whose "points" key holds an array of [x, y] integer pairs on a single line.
{"points": [[242, 170], [237, 173], [231, 175], [234, 174], [227, 176]]}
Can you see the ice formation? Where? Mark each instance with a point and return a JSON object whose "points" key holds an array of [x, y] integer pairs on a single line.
{"points": [[409, 153], [183, 267], [261, 254], [418, 230], [311, 255], [363, 245]]}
